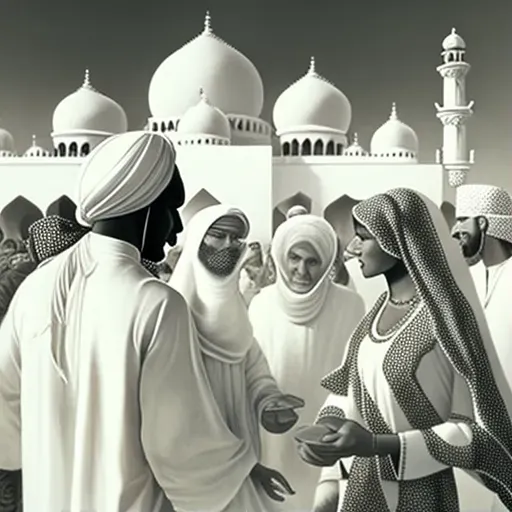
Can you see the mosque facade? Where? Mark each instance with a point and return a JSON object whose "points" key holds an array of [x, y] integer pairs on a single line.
{"points": [[227, 153]]}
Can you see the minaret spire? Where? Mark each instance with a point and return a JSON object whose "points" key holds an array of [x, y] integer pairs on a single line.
{"points": [[202, 95], [455, 111], [34, 143]]}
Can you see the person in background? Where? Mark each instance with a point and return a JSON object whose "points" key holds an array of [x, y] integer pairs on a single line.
{"points": [[207, 276], [484, 231], [302, 324], [101, 360], [420, 389]]}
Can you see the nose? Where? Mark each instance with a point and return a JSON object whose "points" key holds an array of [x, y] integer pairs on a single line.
{"points": [[301, 268], [353, 249], [456, 230], [178, 224]]}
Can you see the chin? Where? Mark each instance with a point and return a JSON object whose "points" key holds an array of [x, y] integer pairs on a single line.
{"points": [[304, 288]]}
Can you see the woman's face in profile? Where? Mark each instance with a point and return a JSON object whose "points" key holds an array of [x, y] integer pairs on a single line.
{"points": [[372, 259]]}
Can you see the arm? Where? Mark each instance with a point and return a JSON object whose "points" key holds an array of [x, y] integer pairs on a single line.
{"points": [[261, 385], [195, 459], [10, 393], [450, 444]]}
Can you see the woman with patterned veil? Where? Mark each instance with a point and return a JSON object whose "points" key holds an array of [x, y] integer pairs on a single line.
{"points": [[207, 276], [420, 390], [303, 323]]}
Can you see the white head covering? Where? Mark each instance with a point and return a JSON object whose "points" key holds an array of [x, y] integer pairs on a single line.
{"points": [[301, 308], [124, 174], [297, 209], [493, 203], [219, 310]]}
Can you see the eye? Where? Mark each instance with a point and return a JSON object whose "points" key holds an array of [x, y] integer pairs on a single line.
{"points": [[313, 263], [293, 257]]}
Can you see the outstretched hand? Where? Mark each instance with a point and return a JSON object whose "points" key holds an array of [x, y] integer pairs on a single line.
{"points": [[350, 439], [279, 415], [273, 482]]}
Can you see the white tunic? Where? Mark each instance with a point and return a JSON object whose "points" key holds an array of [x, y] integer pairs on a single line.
{"points": [[131, 419], [495, 291], [299, 357]]}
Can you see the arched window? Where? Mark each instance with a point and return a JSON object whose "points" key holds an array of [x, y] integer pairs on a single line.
{"points": [[62, 149], [85, 149], [295, 147], [319, 147], [306, 147], [286, 149]]}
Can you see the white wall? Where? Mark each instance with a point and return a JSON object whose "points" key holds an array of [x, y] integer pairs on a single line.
{"points": [[236, 175], [40, 180]]}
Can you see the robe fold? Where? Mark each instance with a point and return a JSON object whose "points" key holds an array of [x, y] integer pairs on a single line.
{"points": [[118, 416]]}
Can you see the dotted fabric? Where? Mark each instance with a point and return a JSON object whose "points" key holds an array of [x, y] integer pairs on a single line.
{"points": [[401, 223], [52, 235], [493, 203]]}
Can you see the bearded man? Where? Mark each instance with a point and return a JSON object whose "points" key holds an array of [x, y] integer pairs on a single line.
{"points": [[484, 231]]}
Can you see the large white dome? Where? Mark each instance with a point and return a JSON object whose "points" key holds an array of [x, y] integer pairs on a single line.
{"points": [[233, 83], [88, 109], [204, 119], [394, 136], [312, 100]]}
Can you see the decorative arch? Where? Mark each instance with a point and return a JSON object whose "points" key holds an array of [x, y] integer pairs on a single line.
{"points": [[286, 149], [73, 149], [17, 216], [306, 147], [280, 210], [62, 149], [295, 147], [319, 147], [85, 149], [203, 199], [329, 149], [339, 215], [448, 211]]}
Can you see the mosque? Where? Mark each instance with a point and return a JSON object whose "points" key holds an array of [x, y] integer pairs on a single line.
{"points": [[227, 153]]}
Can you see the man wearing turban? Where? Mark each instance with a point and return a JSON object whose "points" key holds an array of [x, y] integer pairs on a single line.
{"points": [[101, 359], [484, 231]]}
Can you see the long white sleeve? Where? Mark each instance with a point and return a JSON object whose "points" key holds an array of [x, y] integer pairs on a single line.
{"points": [[196, 460]]}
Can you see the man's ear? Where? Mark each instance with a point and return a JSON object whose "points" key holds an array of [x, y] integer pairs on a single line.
{"points": [[483, 224]]}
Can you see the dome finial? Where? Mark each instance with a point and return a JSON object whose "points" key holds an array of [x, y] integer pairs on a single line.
{"points": [[312, 66], [394, 113], [33, 141], [207, 23], [87, 80], [356, 139], [453, 31], [202, 95]]}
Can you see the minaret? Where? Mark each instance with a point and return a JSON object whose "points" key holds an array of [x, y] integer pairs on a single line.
{"points": [[454, 113]]}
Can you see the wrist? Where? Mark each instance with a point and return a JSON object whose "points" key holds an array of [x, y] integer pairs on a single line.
{"points": [[385, 444]]}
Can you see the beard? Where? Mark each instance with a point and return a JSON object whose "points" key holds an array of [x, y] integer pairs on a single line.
{"points": [[472, 248], [220, 262]]}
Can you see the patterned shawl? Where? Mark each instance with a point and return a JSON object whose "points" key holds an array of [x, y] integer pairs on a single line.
{"points": [[410, 227]]}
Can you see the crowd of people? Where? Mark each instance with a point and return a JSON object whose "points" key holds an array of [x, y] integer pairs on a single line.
{"points": [[230, 377]]}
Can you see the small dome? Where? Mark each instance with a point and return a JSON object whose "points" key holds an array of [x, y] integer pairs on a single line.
{"points": [[233, 83], [204, 119], [87, 109], [312, 101], [394, 136], [6, 142], [453, 42], [35, 150], [355, 149]]}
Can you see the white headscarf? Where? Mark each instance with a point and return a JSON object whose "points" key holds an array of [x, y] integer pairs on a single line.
{"points": [[124, 174], [219, 311], [301, 308], [493, 203]]}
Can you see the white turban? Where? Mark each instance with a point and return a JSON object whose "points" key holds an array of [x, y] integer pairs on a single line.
{"points": [[493, 203], [124, 174]]}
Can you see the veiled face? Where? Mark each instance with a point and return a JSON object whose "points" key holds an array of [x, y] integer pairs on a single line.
{"points": [[470, 233], [223, 245], [303, 267], [372, 259]]}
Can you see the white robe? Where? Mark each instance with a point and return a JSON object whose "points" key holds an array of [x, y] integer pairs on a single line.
{"points": [[120, 416], [237, 370], [496, 296], [299, 357]]}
